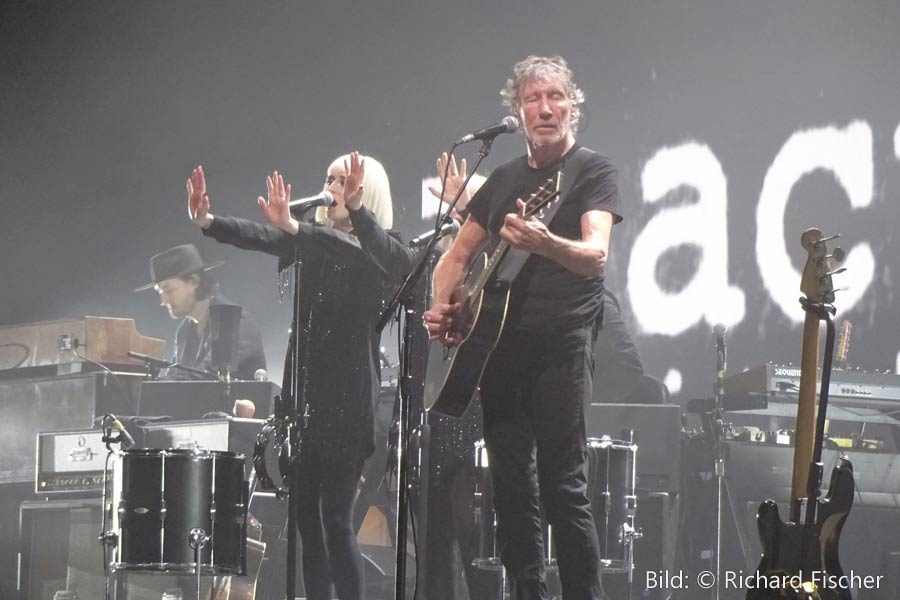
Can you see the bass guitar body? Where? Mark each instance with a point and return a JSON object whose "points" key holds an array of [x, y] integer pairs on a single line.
{"points": [[795, 553]]}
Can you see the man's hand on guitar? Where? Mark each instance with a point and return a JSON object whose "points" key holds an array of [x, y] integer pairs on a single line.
{"points": [[442, 322], [526, 233]]}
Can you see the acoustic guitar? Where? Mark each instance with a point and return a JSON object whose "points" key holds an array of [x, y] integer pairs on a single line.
{"points": [[484, 299]]}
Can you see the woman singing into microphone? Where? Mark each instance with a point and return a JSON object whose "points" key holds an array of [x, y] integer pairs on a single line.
{"points": [[343, 291]]}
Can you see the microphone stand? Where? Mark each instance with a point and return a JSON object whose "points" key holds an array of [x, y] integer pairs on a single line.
{"points": [[294, 409], [717, 426], [403, 297]]}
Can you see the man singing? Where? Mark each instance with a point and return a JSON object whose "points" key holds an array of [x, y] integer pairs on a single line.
{"points": [[538, 377]]}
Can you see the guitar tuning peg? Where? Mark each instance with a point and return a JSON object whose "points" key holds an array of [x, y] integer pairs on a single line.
{"points": [[836, 271], [841, 289], [837, 254]]}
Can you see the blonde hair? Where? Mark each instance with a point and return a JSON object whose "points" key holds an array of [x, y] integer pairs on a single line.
{"points": [[376, 194]]}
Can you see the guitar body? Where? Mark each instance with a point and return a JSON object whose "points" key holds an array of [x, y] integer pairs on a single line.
{"points": [[483, 299], [800, 557], [797, 549], [467, 361]]}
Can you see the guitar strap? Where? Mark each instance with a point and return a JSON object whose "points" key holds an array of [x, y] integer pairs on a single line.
{"points": [[515, 258]]}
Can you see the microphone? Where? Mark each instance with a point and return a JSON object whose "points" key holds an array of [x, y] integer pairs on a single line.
{"points": [[509, 124], [323, 198], [721, 361], [446, 229], [150, 360], [124, 437], [719, 331]]}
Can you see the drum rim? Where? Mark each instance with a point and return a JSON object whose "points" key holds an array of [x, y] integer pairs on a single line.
{"points": [[181, 452], [192, 452], [608, 442], [162, 568], [142, 452]]}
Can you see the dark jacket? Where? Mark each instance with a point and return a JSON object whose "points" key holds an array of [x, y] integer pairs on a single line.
{"points": [[343, 288], [192, 350]]}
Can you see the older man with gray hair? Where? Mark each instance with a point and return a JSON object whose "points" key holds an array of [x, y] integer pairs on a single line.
{"points": [[538, 376]]}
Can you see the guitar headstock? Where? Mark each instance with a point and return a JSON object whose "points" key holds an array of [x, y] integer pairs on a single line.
{"points": [[544, 195], [816, 283]]}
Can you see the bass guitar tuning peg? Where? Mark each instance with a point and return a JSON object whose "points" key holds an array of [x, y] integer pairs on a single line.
{"points": [[836, 271], [837, 254]]}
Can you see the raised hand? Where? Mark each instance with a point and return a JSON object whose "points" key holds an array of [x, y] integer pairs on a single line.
{"points": [[198, 201], [354, 173], [276, 207], [455, 179]]}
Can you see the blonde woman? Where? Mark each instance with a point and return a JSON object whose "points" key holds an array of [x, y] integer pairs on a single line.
{"points": [[343, 291]]}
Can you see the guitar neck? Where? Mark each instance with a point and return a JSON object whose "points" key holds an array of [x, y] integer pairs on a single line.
{"points": [[536, 202], [804, 438]]}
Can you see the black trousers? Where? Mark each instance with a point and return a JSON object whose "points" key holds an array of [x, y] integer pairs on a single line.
{"points": [[325, 520], [533, 393], [451, 510]]}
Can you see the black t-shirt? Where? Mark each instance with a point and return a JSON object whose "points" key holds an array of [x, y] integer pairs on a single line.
{"points": [[546, 295]]}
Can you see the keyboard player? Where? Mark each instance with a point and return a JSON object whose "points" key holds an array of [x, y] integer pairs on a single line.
{"points": [[187, 290]]}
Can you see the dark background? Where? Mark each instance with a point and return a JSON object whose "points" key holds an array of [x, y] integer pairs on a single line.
{"points": [[107, 106]]}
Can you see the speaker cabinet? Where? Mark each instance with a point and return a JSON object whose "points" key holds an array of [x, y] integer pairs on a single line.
{"points": [[59, 549]]}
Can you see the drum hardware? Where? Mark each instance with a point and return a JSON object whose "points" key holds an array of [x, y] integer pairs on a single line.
{"points": [[178, 511], [611, 475], [109, 539], [199, 540]]}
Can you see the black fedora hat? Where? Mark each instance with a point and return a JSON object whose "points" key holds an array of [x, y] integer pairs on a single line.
{"points": [[176, 262]]}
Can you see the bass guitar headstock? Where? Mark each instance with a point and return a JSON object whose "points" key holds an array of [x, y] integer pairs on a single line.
{"points": [[816, 283]]}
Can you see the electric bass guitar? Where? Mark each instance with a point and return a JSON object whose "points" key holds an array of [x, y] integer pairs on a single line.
{"points": [[800, 557], [484, 299]]}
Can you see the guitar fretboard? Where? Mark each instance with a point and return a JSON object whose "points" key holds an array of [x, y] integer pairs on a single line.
{"points": [[538, 200]]}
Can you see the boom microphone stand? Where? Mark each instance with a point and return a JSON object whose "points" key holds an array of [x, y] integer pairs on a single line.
{"points": [[719, 445], [402, 298]]}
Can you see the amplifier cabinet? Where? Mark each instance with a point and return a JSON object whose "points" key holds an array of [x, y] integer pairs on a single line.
{"points": [[69, 462], [59, 549], [61, 403], [657, 433]]}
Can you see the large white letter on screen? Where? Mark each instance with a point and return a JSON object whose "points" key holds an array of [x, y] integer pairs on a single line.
{"points": [[847, 153], [702, 224]]}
